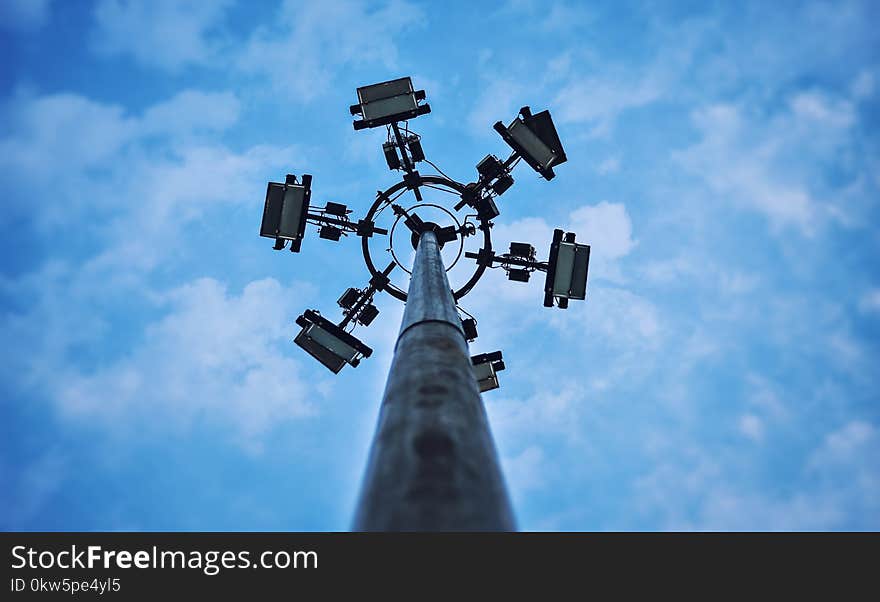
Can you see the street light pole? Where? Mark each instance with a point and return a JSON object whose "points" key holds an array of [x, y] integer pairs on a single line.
{"points": [[433, 464]]}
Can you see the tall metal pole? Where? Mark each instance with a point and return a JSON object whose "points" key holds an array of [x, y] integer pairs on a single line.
{"points": [[433, 464]]}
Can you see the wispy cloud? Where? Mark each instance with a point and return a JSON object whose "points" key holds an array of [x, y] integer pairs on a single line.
{"points": [[164, 34]]}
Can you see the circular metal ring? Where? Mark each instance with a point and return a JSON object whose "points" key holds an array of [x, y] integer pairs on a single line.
{"points": [[444, 210], [383, 198]]}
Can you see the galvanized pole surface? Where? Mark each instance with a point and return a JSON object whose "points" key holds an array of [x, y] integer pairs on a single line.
{"points": [[433, 465]]}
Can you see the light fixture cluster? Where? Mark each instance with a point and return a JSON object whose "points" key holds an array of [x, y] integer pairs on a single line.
{"points": [[533, 139]]}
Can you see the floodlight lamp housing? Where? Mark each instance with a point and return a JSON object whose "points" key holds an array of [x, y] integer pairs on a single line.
{"points": [[502, 184], [469, 326], [534, 138], [567, 270], [518, 275], [330, 233], [487, 209], [486, 367], [522, 249], [368, 314], [391, 156], [416, 152], [349, 298], [285, 211], [328, 343], [489, 168], [388, 102], [337, 209]]}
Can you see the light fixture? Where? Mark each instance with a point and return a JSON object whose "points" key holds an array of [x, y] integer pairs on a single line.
{"points": [[469, 325], [391, 157], [566, 271], [349, 298], [416, 152], [487, 209], [501, 185], [388, 102], [486, 367], [522, 249], [337, 209], [489, 168], [285, 211], [328, 343], [518, 275], [368, 314], [534, 138], [329, 232]]}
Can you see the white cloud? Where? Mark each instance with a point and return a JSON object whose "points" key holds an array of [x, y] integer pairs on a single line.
{"points": [[30, 488], [562, 17], [299, 53], [215, 358], [764, 396], [741, 169], [71, 132], [751, 426], [870, 301], [849, 443], [772, 162], [167, 34], [499, 100], [191, 110], [608, 166], [597, 101], [827, 112], [620, 318], [64, 129], [24, 15], [606, 227], [132, 183], [526, 471], [738, 283], [554, 409], [172, 194], [864, 85], [161, 159]]}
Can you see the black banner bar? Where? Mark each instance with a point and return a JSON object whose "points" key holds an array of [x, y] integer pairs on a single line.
{"points": [[122, 566]]}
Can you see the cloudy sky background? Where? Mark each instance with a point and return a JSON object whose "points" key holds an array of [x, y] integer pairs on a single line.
{"points": [[724, 164]]}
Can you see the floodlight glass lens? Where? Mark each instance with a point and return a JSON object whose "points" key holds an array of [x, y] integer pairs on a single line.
{"points": [[291, 211], [564, 267], [385, 107], [486, 377], [537, 150], [395, 87], [272, 211], [330, 342], [579, 272]]}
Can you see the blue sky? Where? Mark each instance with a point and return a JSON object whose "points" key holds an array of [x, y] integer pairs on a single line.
{"points": [[723, 164]]}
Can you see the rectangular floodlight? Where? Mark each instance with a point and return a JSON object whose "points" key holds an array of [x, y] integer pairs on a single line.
{"points": [[329, 232], [522, 249], [502, 184], [349, 298], [518, 275], [490, 167], [328, 343], [388, 102], [534, 138], [469, 325], [285, 210], [486, 367], [368, 314], [337, 209], [567, 270]]}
